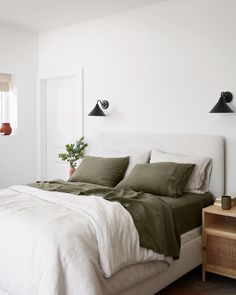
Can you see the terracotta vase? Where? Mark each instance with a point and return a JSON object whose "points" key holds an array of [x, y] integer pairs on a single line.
{"points": [[6, 128], [72, 170]]}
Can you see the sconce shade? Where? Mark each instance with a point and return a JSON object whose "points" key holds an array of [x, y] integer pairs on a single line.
{"points": [[97, 111], [221, 106]]}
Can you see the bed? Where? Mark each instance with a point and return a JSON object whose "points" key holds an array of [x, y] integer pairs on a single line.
{"points": [[151, 276]]}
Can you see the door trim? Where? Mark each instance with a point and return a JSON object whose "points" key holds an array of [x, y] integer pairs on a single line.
{"points": [[41, 113]]}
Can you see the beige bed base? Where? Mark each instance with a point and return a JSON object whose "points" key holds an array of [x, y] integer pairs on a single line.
{"points": [[190, 257]]}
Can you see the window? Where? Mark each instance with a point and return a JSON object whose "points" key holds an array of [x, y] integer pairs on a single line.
{"points": [[6, 99]]}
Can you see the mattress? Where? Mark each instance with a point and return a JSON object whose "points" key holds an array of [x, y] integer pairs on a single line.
{"points": [[187, 210], [190, 235]]}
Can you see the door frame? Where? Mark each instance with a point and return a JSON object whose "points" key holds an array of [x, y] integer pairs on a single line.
{"points": [[41, 113]]}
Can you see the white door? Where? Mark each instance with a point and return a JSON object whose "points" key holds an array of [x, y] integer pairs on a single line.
{"points": [[63, 121]]}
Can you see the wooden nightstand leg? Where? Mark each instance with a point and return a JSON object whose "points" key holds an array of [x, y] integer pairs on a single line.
{"points": [[203, 274]]}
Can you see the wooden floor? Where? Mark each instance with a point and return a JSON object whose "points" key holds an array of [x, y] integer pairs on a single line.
{"points": [[191, 284]]}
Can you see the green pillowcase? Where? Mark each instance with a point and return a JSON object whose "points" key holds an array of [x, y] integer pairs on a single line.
{"points": [[167, 178], [103, 171]]}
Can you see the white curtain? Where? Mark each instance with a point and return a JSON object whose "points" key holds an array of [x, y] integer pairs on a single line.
{"points": [[5, 81], [5, 84]]}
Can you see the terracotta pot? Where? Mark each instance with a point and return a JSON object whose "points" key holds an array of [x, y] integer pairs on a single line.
{"points": [[72, 170], [6, 129]]}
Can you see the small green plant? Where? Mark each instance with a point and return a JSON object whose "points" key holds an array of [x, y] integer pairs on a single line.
{"points": [[74, 152]]}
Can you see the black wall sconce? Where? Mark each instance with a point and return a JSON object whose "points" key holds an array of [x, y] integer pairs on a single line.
{"points": [[97, 111], [221, 106]]}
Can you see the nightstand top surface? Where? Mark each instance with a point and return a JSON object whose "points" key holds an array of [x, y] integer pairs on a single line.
{"points": [[218, 210]]}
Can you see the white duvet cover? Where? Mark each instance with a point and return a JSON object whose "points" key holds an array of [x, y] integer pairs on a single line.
{"points": [[59, 244]]}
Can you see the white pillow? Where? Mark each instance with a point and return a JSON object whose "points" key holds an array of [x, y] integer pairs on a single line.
{"points": [[136, 157], [200, 178]]}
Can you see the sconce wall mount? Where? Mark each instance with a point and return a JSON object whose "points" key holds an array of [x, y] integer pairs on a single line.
{"points": [[104, 103], [228, 96]]}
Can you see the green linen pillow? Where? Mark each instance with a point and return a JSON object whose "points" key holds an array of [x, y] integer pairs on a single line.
{"points": [[166, 178], [103, 171]]}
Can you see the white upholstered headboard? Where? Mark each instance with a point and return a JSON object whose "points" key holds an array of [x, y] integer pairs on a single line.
{"points": [[195, 145]]}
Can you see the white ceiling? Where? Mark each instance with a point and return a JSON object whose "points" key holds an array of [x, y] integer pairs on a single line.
{"points": [[44, 15]]}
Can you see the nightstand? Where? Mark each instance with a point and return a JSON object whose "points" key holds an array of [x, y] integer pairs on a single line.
{"points": [[219, 241]]}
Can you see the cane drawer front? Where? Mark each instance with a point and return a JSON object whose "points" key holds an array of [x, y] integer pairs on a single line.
{"points": [[221, 251]]}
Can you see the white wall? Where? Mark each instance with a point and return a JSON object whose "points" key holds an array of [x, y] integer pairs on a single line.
{"points": [[161, 67], [18, 56]]}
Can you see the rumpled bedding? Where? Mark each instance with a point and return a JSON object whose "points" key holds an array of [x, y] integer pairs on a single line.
{"points": [[152, 216], [55, 243]]}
